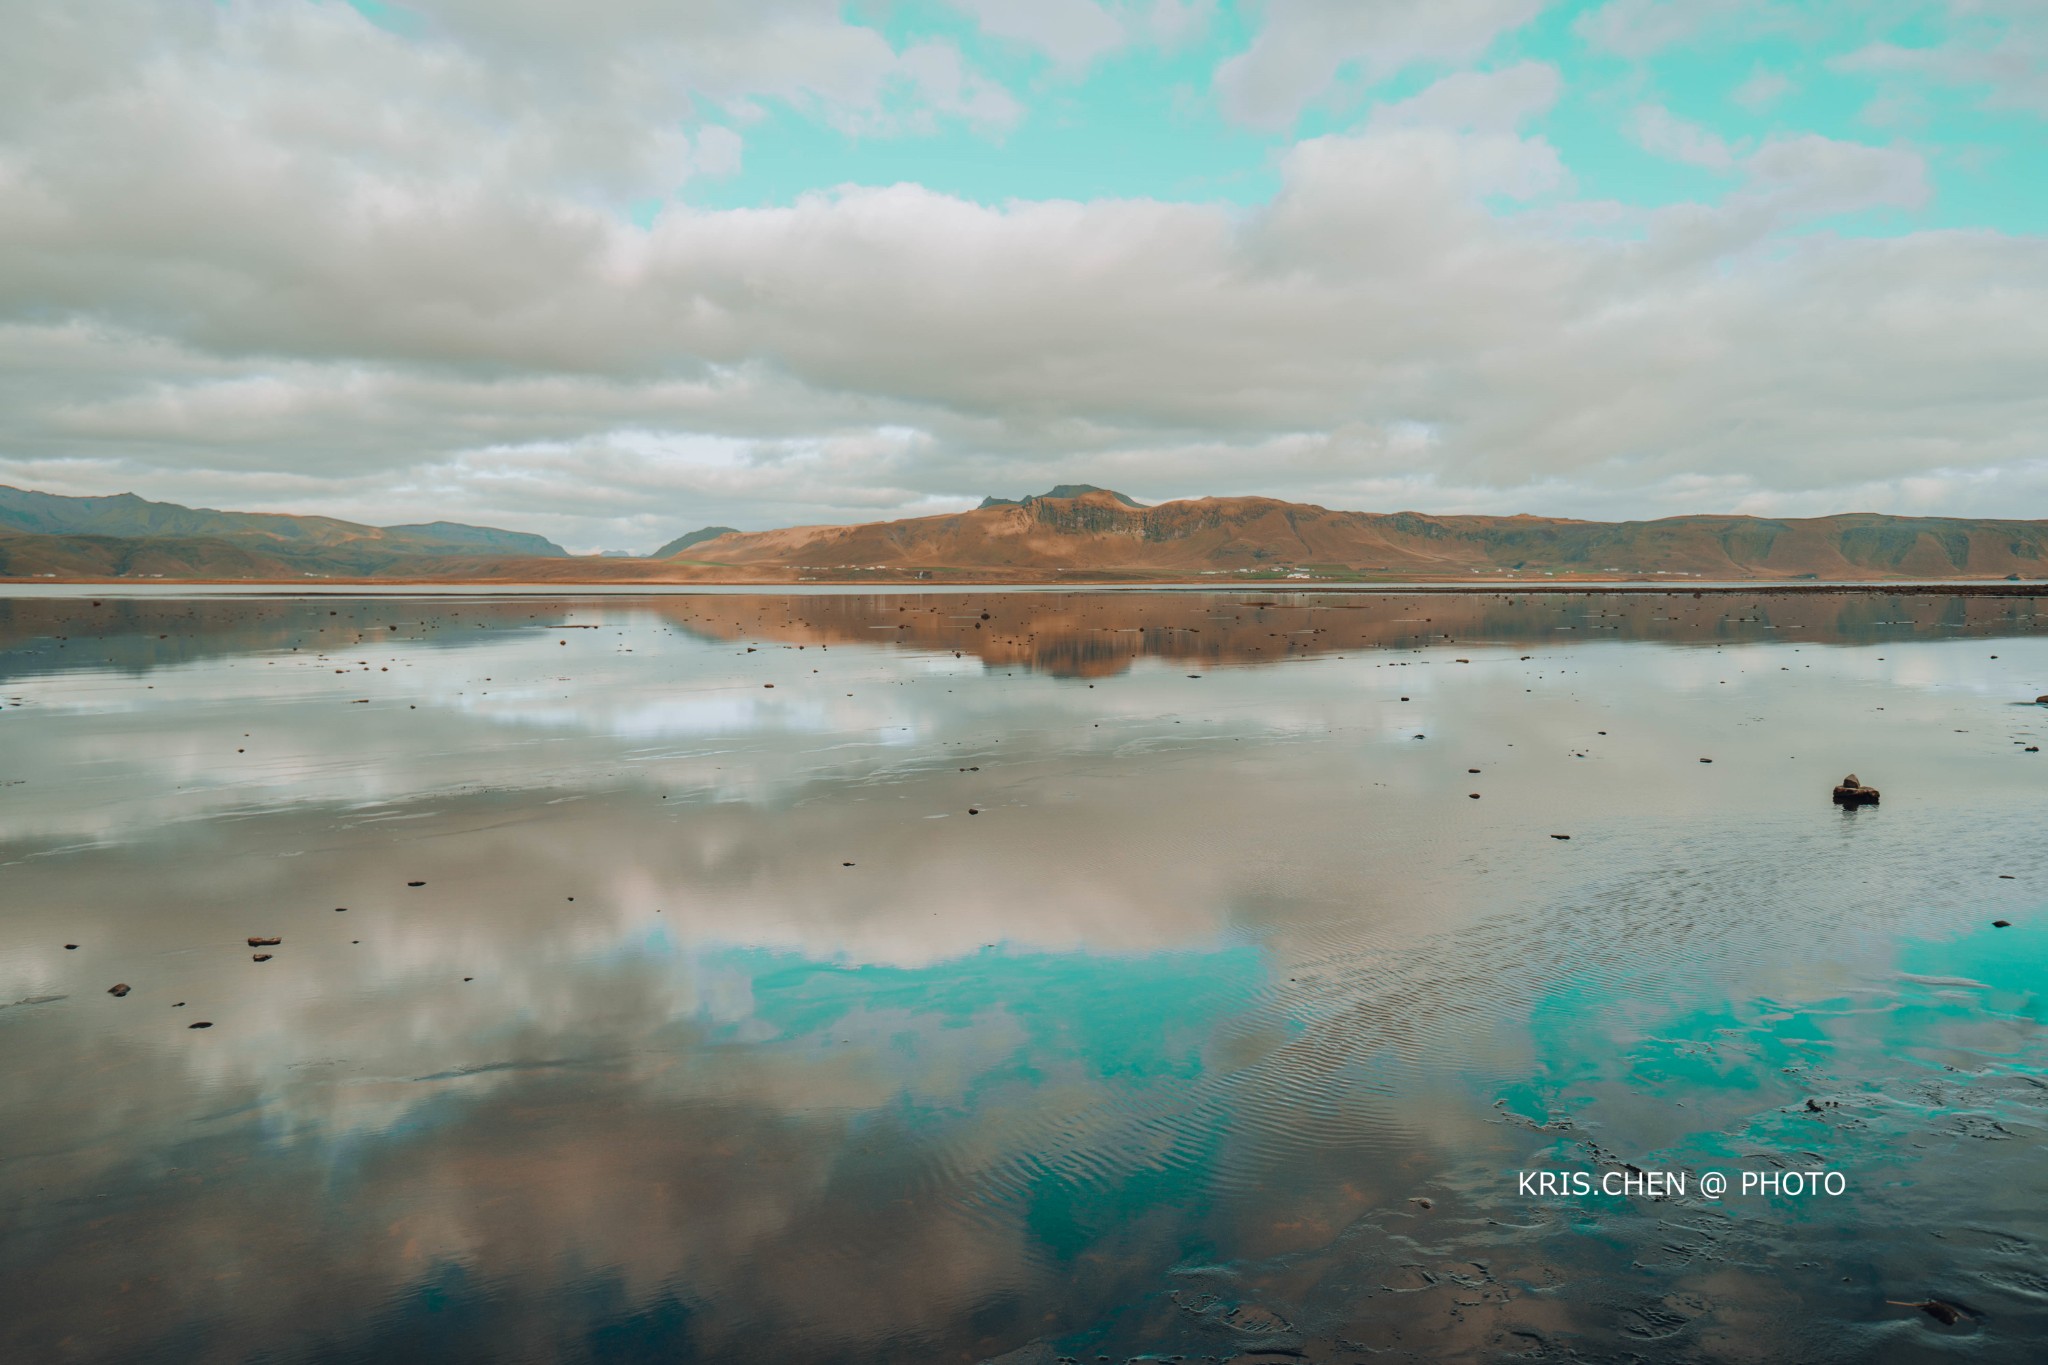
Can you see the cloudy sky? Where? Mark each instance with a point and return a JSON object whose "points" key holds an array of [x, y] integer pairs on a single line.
{"points": [[613, 269]]}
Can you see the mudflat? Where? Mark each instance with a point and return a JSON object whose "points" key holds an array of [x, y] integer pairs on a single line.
{"points": [[961, 976]]}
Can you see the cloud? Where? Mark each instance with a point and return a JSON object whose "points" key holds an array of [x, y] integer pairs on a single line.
{"points": [[1660, 132], [1303, 45], [1762, 90], [1070, 32], [1637, 29], [1996, 48], [1480, 101], [280, 263]]}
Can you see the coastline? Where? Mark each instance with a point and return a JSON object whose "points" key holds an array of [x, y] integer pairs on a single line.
{"points": [[1962, 587]]}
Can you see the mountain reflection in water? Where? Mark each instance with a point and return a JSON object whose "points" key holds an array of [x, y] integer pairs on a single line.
{"points": [[719, 1029]]}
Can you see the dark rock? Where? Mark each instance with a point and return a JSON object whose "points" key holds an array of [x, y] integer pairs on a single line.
{"points": [[260, 957], [118, 990], [1947, 1314], [1560, 836], [203, 1023], [71, 947], [1473, 795], [264, 942], [415, 883], [2001, 924], [1853, 793]]}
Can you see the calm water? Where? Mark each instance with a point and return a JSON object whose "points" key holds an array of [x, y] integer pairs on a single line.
{"points": [[1026, 976]]}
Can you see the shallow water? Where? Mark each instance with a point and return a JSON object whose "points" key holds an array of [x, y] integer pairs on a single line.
{"points": [[719, 1029]]}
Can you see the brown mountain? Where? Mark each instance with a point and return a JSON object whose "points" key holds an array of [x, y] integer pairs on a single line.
{"points": [[1100, 534], [1079, 534]]}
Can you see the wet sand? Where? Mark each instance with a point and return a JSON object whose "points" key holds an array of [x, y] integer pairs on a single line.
{"points": [[644, 989]]}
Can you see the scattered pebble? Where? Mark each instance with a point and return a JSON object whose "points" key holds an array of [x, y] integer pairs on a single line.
{"points": [[203, 1023], [264, 942], [260, 957], [118, 990]]}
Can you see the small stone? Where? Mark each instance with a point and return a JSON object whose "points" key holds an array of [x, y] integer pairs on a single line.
{"points": [[415, 883], [260, 957], [2001, 924], [203, 1023], [264, 942], [1706, 760], [1560, 836], [118, 990], [972, 811], [1474, 795], [71, 947]]}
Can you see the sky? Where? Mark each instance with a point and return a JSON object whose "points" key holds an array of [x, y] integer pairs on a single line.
{"points": [[615, 269]]}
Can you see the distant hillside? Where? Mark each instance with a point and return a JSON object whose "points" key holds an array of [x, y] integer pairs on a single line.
{"points": [[128, 516], [461, 539], [1093, 535], [682, 543], [1104, 534]]}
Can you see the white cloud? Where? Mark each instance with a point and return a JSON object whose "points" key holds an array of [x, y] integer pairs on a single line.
{"points": [[1481, 101], [1763, 90], [1303, 45], [1070, 32], [277, 257], [1660, 132], [1637, 29], [1998, 48]]}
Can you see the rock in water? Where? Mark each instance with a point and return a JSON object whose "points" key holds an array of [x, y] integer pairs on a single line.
{"points": [[260, 942], [118, 990], [1854, 793]]}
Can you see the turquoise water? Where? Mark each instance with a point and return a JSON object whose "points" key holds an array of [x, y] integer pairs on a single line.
{"points": [[1224, 1027]]}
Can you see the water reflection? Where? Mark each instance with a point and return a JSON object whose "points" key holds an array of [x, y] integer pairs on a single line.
{"points": [[719, 1026]]}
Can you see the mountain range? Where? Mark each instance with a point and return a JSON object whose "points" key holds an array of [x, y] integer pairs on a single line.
{"points": [[45, 534], [1073, 533]]}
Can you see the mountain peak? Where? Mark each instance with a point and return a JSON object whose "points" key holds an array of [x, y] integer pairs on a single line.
{"points": [[1061, 490]]}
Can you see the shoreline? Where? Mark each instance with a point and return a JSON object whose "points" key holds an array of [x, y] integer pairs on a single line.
{"points": [[339, 587]]}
